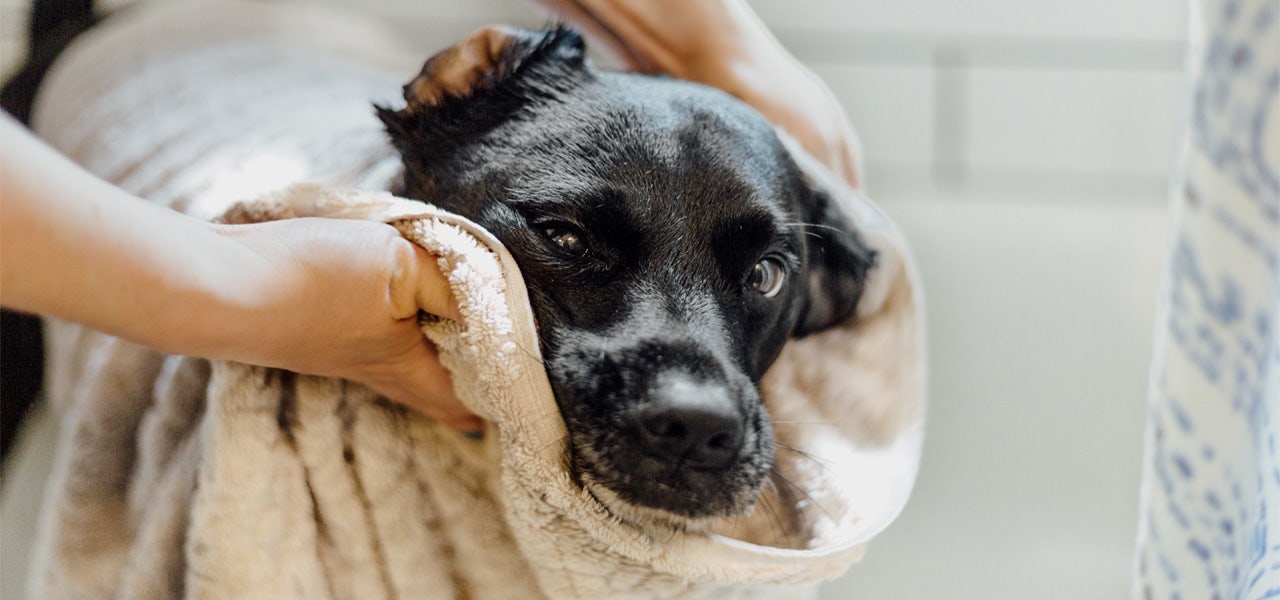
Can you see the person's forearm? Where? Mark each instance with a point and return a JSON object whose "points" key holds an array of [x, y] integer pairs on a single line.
{"points": [[324, 297], [751, 64], [724, 44], [74, 247]]}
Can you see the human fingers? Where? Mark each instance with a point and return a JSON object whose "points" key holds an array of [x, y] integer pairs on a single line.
{"points": [[419, 382], [417, 283], [598, 33], [681, 38], [724, 44]]}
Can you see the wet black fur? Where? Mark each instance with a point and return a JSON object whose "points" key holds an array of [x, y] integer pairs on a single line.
{"points": [[677, 191]]}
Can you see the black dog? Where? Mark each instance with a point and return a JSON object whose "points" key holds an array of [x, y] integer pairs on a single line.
{"points": [[669, 243]]}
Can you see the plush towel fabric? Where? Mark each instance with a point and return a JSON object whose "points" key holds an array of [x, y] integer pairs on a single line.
{"points": [[177, 477]]}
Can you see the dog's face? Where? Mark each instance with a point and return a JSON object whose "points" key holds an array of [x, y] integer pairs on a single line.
{"points": [[669, 244]]}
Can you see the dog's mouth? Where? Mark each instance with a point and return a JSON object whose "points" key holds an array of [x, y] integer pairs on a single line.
{"points": [[650, 490], [684, 451], [653, 489]]}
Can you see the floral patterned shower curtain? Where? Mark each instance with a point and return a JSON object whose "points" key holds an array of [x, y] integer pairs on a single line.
{"points": [[1209, 526]]}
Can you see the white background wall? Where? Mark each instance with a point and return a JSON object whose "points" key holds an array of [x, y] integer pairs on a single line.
{"points": [[1025, 148]]}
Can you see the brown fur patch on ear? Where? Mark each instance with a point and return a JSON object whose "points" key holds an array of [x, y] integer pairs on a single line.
{"points": [[470, 88], [473, 63]]}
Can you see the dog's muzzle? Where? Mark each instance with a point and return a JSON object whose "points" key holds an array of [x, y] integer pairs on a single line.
{"points": [[664, 424]]}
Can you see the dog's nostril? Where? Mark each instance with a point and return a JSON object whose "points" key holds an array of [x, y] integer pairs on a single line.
{"points": [[719, 440], [668, 428], [691, 423]]}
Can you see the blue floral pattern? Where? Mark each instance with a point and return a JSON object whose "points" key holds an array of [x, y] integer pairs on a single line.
{"points": [[1210, 521]]}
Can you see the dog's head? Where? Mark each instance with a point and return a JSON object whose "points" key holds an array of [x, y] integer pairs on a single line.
{"points": [[669, 243]]}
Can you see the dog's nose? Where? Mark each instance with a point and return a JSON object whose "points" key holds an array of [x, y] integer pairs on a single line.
{"points": [[691, 422]]}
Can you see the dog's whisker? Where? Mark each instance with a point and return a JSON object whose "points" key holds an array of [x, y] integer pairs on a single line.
{"points": [[803, 454], [813, 225], [567, 454], [530, 354], [736, 522], [804, 227], [675, 531], [769, 487], [793, 488], [549, 444], [804, 423], [787, 496], [777, 521]]}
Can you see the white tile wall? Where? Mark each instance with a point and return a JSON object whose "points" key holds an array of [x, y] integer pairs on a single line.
{"points": [[906, 92], [1086, 122], [1080, 19], [990, 111]]}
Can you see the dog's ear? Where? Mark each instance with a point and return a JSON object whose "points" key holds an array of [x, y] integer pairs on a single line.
{"points": [[482, 80], [839, 259], [492, 57]]}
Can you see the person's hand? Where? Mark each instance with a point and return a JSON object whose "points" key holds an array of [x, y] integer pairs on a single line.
{"points": [[342, 298], [722, 43], [319, 296]]}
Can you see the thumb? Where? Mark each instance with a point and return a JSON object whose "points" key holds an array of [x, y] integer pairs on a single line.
{"points": [[417, 283]]}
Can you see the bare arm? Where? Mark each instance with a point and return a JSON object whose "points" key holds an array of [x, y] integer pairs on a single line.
{"points": [[724, 44], [320, 296]]}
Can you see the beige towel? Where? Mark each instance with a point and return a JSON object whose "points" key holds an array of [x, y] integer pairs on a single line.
{"points": [[180, 478], [184, 479]]}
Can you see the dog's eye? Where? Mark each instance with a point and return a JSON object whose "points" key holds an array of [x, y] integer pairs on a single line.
{"points": [[767, 277], [566, 238]]}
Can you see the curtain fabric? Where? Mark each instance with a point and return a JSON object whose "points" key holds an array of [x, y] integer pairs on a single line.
{"points": [[1209, 526]]}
